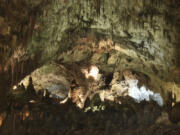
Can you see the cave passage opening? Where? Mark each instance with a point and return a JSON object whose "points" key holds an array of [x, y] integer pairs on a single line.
{"points": [[84, 82]]}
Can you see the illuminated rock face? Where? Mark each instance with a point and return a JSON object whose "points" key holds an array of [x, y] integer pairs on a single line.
{"points": [[49, 77], [140, 94], [144, 31], [142, 35]]}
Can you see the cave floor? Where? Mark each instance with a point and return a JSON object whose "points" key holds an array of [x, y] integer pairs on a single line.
{"points": [[47, 117]]}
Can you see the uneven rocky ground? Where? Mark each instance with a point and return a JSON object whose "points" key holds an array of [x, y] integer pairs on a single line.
{"points": [[47, 117]]}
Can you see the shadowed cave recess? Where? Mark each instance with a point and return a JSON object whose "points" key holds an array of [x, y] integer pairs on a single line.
{"points": [[83, 67]]}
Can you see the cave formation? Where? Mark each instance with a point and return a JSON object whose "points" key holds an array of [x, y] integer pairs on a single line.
{"points": [[89, 67]]}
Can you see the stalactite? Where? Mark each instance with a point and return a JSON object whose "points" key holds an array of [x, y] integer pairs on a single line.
{"points": [[164, 33], [80, 9], [68, 14], [139, 22], [152, 2], [91, 8], [128, 21], [16, 72], [158, 3], [22, 68], [135, 24], [97, 4], [103, 8], [144, 3], [4, 48], [112, 28], [142, 24], [151, 17], [154, 29], [12, 71], [98, 7], [169, 38], [128, 3]]}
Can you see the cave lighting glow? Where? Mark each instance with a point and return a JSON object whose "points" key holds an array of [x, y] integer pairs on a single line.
{"points": [[14, 87], [94, 71], [140, 94]]}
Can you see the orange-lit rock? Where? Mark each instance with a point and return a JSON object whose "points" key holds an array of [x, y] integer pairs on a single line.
{"points": [[2, 117]]}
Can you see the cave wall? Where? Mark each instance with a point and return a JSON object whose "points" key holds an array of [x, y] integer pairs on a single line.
{"points": [[147, 28], [143, 36]]}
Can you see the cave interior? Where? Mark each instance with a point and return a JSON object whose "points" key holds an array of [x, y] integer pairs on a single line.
{"points": [[102, 67]]}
